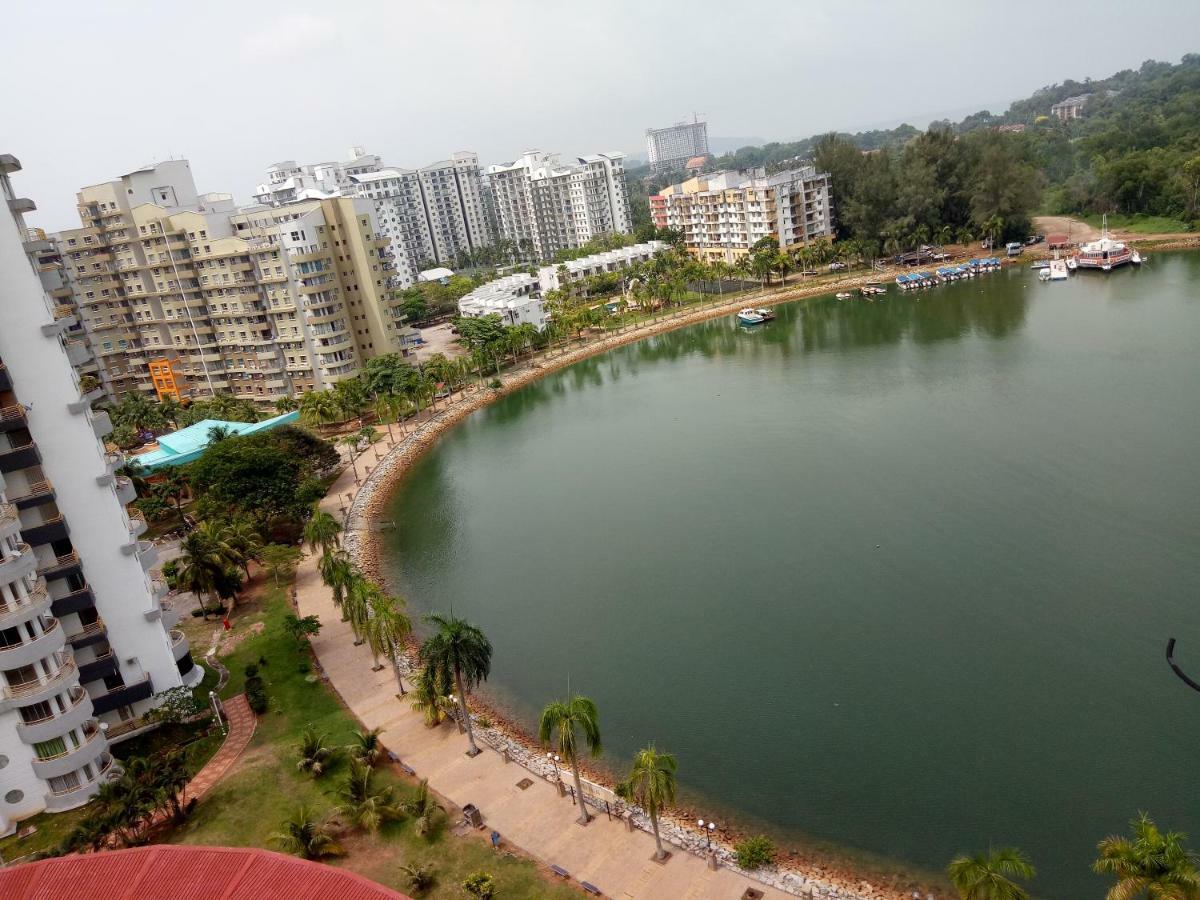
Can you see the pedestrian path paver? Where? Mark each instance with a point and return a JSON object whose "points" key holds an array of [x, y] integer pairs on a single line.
{"points": [[242, 721]]}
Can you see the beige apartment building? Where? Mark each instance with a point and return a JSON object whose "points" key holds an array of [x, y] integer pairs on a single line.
{"points": [[184, 294], [723, 214]]}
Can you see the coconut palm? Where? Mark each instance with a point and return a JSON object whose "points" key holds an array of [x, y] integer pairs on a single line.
{"points": [[386, 629], [200, 566], [356, 606], [423, 809], [366, 746], [365, 806], [783, 265], [460, 652], [314, 755], [321, 530], [338, 574], [1152, 864], [559, 723], [989, 876], [321, 408], [651, 785], [350, 442], [303, 836], [429, 690], [243, 538]]}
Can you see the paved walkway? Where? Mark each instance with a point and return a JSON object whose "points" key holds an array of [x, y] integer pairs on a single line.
{"points": [[241, 728], [535, 818]]}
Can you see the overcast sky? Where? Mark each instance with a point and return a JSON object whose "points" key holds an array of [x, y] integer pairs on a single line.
{"points": [[94, 89]]}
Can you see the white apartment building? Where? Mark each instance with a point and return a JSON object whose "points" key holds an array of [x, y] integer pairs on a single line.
{"points": [[183, 294], [723, 214], [432, 215], [513, 298], [85, 644], [669, 149], [545, 206], [550, 278]]}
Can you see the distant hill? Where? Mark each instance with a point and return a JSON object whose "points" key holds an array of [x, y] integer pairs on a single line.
{"points": [[719, 145]]}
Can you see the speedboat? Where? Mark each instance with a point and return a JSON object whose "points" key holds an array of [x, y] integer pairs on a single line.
{"points": [[767, 314], [749, 316], [844, 295]]}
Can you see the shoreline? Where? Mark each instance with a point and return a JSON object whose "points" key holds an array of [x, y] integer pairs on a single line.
{"points": [[800, 871]]}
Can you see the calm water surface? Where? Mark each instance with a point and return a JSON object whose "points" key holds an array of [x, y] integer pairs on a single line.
{"points": [[894, 576]]}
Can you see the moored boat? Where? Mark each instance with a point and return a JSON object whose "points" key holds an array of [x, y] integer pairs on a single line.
{"points": [[1105, 253], [749, 317], [767, 314], [844, 295]]}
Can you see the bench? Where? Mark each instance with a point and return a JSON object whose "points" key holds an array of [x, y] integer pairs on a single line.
{"points": [[591, 888], [560, 871]]}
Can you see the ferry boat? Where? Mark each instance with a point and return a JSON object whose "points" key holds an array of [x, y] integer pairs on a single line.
{"points": [[749, 316], [1106, 254]]}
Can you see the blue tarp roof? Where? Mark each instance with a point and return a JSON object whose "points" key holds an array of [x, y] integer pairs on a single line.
{"points": [[186, 444]]}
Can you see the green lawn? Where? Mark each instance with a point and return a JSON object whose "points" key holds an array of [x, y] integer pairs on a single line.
{"points": [[1141, 224], [266, 786]]}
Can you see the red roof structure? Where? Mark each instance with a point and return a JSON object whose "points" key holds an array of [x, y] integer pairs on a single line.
{"points": [[169, 872], [1054, 241]]}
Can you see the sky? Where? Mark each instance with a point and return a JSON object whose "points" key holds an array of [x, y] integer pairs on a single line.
{"points": [[94, 89]]}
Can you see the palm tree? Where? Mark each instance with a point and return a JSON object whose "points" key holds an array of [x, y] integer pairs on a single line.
{"points": [[366, 746], [459, 651], [429, 691], [200, 565], [423, 809], [304, 836], [783, 265], [562, 719], [356, 606], [322, 530], [386, 630], [314, 755], [243, 538], [651, 785], [364, 806], [286, 404], [350, 442], [989, 876], [321, 408], [338, 574], [1153, 865]]}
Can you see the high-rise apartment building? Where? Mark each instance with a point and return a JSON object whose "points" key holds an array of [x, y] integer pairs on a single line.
{"points": [[183, 294], [433, 215], [546, 206], [669, 149], [85, 644], [722, 215]]}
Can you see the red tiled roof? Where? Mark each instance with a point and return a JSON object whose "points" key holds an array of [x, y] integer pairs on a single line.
{"points": [[695, 162], [163, 872]]}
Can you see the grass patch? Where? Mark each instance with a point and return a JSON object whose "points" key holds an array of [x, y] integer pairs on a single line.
{"points": [[266, 787], [1141, 224]]}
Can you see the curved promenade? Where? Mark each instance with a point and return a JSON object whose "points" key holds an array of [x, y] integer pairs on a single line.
{"points": [[607, 854]]}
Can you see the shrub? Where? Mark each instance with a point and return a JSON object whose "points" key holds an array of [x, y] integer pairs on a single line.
{"points": [[420, 877], [480, 884], [755, 852], [256, 691], [495, 384], [251, 670]]}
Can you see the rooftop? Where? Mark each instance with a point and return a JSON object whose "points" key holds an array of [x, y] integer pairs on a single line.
{"points": [[161, 872], [185, 445]]}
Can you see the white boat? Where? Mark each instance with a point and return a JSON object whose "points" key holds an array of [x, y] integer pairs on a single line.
{"points": [[1105, 254], [843, 295], [1058, 270], [750, 317], [1044, 274], [768, 315], [1072, 265]]}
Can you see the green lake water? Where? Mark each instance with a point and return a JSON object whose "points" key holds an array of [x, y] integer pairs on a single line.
{"points": [[895, 577]]}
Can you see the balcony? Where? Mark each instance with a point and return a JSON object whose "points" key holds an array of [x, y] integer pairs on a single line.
{"points": [[179, 644], [60, 324], [54, 726], [77, 352], [85, 400], [147, 554], [102, 425], [72, 758], [10, 523], [45, 644], [61, 566], [22, 456], [12, 417], [35, 604], [13, 568], [102, 666], [88, 635], [74, 602], [36, 691], [123, 696], [126, 492], [54, 529], [137, 523]]}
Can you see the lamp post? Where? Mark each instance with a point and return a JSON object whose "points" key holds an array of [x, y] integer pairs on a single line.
{"points": [[555, 759], [708, 828]]}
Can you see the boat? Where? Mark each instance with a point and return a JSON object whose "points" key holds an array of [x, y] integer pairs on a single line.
{"points": [[1105, 253], [1072, 265], [1044, 274], [1040, 264], [1058, 270], [768, 315], [844, 295], [750, 317]]}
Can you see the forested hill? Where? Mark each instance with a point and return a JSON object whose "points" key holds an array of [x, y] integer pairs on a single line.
{"points": [[1135, 150]]}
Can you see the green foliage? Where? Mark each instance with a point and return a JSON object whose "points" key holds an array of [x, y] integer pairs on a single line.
{"points": [[1151, 864], [420, 877], [990, 876], [599, 244], [755, 852], [314, 755], [301, 628], [224, 407], [302, 835], [174, 705], [425, 812], [365, 805], [481, 885], [280, 560], [255, 690]]}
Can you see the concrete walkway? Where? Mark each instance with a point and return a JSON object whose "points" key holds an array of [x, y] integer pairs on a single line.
{"points": [[241, 728]]}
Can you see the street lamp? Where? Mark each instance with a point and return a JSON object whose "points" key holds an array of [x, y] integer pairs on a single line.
{"points": [[555, 759], [708, 828]]}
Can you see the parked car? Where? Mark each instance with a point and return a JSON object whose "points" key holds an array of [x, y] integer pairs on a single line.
{"points": [[1014, 248], [986, 245], [836, 266], [1034, 239]]}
